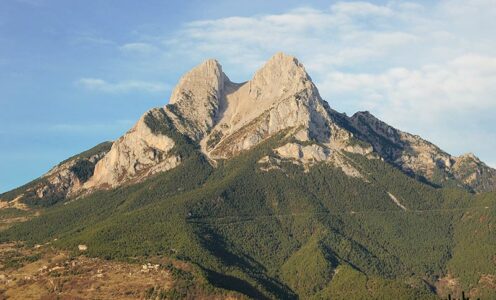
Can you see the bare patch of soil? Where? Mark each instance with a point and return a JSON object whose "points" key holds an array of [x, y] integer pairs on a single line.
{"points": [[42, 272]]}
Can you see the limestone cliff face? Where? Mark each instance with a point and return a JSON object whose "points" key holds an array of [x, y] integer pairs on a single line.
{"points": [[195, 101], [411, 153], [141, 152], [136, 155], [280, 96], [226, 118]]}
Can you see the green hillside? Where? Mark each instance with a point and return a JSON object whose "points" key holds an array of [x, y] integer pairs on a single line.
{"points": [[287, 233]]}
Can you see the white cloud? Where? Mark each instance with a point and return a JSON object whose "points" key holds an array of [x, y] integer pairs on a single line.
{"points": [[112, 128], [118, 125], [346, 34], [461, 86], [96, 84], [360, 8], [138, 48], [89, 38]]}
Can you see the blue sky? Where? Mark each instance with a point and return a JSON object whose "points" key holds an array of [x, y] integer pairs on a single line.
{"points": [[76, 73]]}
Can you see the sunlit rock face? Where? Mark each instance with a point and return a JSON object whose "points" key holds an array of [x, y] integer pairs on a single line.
{"points": [[421, 158], [280, 96], [137, 154], [195, 101]]}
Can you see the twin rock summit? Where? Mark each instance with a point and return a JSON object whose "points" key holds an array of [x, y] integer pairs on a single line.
{"points": [[224, 119]]}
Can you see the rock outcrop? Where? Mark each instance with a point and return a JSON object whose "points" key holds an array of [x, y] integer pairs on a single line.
{"points": [[421, 158], [64, 181], [136, 155], [309, 155], [476, 175]]}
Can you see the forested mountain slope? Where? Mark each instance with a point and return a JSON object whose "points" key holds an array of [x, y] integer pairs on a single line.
{"points": [[287, 232]]}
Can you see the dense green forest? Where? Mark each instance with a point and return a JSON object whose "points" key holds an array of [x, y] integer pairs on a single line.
{"points": [[286, 233]]}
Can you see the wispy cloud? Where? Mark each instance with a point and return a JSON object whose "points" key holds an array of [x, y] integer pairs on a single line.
{"points": [[32, 2], [361, 8], [79, 128], [100, 85], [346, 34], [86, 38], [93, 127], [432, 93], [138, 48]]}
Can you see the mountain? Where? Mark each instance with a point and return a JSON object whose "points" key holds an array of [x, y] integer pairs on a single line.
{"points": [[273, 194]]}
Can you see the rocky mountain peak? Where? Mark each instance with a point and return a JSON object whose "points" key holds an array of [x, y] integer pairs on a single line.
{"points": [[195, 101], [205, 77], [282, 63], [369, 125], [364, 114], [283, 75], [280, 96], [473, 173], [469, 156]]}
